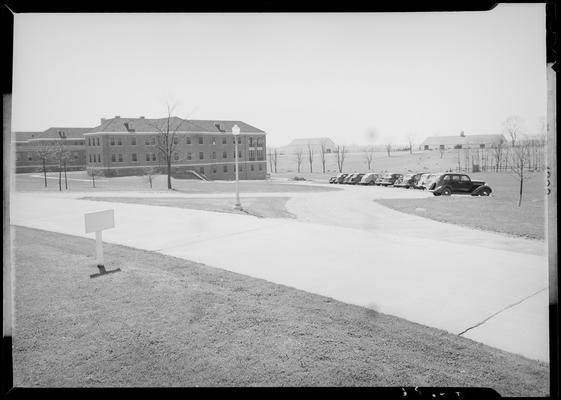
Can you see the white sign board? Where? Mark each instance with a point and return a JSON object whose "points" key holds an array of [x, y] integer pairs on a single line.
{"points": [[97, 221]]}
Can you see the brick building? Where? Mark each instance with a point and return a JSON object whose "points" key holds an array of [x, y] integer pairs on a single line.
{"points": [[461, 141], [129, 146], [30, 147]]}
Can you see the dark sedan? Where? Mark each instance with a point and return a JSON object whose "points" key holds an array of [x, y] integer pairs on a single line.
{"points": [[389, 179]]}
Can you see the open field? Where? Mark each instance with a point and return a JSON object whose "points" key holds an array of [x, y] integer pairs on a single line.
{"points": [[80, 182], [164, 321], [263, 207], [497, 213]]}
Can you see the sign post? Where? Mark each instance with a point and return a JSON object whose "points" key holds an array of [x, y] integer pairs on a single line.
{"points": [[97, 222]]}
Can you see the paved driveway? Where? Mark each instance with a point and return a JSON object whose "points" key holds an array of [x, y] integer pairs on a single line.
{"points": [[385, 267]]}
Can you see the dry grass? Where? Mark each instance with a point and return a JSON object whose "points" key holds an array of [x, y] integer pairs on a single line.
{"points": [[498, 213], [262, 207], [164, 321]]}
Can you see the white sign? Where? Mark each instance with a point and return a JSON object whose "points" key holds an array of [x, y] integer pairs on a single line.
{"points": [[97, 221]]}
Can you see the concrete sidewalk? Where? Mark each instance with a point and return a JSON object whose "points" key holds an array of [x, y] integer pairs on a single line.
{"points": [[388, 272]]}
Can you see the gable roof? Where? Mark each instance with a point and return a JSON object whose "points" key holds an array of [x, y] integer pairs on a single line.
{"points": [[71, 133], [25, 136], [176, 123]]}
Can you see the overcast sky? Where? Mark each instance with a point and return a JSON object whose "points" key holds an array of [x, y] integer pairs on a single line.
{"points": [[342, 76]]}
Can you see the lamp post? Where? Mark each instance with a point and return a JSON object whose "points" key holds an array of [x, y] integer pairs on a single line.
{"points": [[236, 132]]}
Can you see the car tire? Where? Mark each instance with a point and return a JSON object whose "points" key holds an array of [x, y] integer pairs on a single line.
{"points": [[446, 192], [484, 192]]}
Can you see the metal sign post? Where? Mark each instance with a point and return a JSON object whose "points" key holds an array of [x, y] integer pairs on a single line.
{"points": [[97, 222]]}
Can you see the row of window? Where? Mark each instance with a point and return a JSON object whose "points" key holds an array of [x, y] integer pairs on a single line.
{"points": [[151, 141], [188, 156]]}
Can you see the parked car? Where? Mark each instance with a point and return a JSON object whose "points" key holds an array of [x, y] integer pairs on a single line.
{"points": [[389, 179], [349, 177], [332, 179], [355, 179], [379, 180], [340, 178], [450, 183], [422, 182], [369, 179], [431, 180], [407, 181]]}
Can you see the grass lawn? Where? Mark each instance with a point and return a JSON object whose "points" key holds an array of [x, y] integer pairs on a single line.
{"points": [[263, 207], [80, 182], [164, 321], [497, 213]]}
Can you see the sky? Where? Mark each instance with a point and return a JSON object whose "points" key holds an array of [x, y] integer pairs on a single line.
{"points": [[357, 78]]}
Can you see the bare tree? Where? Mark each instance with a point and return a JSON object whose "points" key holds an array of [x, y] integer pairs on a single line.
{"points": [[389, 149], [310, 155], [322, 152], [498, 153], [299, 156], [410, 141], [93, 172], [369, 155], [167, 140], [45, 152], [62, 158], [520, 153], [513, 127], [150, 172], [270, 155], [341, 152], [275, 158]]}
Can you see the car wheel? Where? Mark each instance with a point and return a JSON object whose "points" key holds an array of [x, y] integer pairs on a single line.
{"points": [[446, 192], [484, 192]]}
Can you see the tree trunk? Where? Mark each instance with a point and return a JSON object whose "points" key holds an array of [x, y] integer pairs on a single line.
{"points": [[93, 178], [65, 180], [45, 171], [521, 182], [60, 176], [323, 166], [169, 173]]}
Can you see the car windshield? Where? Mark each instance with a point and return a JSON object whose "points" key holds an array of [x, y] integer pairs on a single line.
{"points": [[387, 176]]}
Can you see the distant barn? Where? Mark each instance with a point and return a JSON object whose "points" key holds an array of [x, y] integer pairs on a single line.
{"points": [[461, 141], [302, 144]]}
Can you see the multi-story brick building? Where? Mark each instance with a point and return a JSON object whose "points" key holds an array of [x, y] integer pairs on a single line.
{"points": [[32, 147], [129, 146]]}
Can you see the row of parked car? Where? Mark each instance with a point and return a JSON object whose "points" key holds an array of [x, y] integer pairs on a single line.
{"points": [[443, 183]]}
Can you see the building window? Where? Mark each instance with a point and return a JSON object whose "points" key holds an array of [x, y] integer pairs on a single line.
{"points": [[214, 155], [188, 156], [239, 140], [223, 140], [200, 140], [251, 155], [213, 140], [176, 156], [153, 156], [112, 141], [113, 157], [482, 146], [133, 141], [259, 141], [147, 141], [97, 140], [133, 157], [99, 158], [89, 142], [153, 141], [224, 155], [119, 142], [188, 140], [260, 155], [251, 167], [175, 140], [120, 158], [201, 156], [225, 168], [260, 167], [147, 156], [29, 157], [250, 141], [202, 170], [214, 170], [90, 158]]}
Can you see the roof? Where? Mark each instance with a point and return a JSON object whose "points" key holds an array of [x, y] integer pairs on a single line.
{"points": [[176, 123], [71, 133], [312, 141], [24, 136], [468, 139]]}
